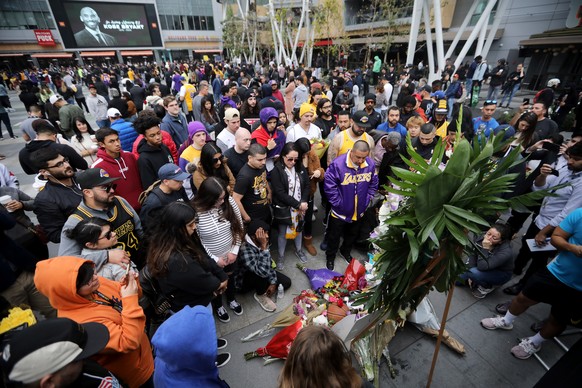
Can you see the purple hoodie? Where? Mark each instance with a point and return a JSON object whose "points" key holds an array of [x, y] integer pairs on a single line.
{"points": [[344, 182]]}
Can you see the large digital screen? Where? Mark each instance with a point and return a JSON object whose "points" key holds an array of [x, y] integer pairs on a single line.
{"points": [[102, 25]]}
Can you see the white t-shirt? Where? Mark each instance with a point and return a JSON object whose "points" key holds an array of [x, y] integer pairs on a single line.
{"points": [[225, 140], [295, 132]]}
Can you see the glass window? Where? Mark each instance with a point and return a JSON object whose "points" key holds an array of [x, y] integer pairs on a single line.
{"points": [[185, 24], [49, 20], [203, 23], [210, 20], [163, 23], [30, 20], [3, 23], [197, 23]]}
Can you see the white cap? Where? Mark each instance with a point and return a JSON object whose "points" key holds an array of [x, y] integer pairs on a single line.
{"points": [[55, 98], [553, 82], [113, 112]]}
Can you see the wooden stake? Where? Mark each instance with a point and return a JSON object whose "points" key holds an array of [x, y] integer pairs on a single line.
{"points": [[440, 337]]}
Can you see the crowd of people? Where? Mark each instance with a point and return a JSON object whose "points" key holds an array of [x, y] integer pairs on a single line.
{"points": [[191, 170]]}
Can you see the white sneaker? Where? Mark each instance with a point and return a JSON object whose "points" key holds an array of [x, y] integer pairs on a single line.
{"points": [[265, 302], [496, 323], [525, 349]]}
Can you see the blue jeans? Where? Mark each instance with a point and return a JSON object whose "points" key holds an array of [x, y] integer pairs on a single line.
{"points": [[493, 92], [486, 279], [6, 120], [450, 102], [510, 94]]}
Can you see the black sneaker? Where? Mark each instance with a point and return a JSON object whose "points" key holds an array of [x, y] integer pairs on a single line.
{"points": [[329, 264], [222, 314], [222, 359], [235, 307], [502, 308], [348, 258], [221, 343]]}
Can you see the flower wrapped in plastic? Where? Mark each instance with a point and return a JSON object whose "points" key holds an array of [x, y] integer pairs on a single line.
{"points": [[319, 146], [318, 277], [279, 345]]}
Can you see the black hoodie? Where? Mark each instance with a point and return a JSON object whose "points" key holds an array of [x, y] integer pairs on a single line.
{"points": [[150, 160], [75, 160]]}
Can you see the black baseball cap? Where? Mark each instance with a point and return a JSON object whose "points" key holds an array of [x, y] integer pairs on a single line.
{"points": [[92, 177], [49, 346], [361, 119]]}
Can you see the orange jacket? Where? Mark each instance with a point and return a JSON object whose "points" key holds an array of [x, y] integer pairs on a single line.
{"points": [[128, 354]]}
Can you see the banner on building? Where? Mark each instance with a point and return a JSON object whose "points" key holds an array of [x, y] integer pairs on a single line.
{"points": [[45, 38]]}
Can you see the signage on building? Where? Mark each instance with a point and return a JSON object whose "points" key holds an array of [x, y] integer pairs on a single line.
{"points": [[44, 38]]}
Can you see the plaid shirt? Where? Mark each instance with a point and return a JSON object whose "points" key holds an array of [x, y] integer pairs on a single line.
{"points": [[251, 258]]}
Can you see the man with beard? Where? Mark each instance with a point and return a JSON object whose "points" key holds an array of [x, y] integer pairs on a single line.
{"points": [[99, 200], [345, 140], [374, 117], [60, 196], [393, 123], [325, 120]]}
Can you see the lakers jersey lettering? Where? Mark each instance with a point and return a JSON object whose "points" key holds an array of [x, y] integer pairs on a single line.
{"points": [[355, 178]]}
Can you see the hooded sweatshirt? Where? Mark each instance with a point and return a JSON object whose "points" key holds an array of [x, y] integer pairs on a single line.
{"points": [[75, 160], [128, 353], [150, 160], [174, 356], [125, 168]]}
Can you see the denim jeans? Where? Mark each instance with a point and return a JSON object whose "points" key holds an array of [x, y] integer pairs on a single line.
{"points": [[450, 103], [510, 94], [493, 92], [486, 279], [6, 120]]}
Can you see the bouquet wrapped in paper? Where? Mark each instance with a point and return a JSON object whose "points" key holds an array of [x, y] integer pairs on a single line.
{"points": [[319, 146], [318, 277], [279, 345]]}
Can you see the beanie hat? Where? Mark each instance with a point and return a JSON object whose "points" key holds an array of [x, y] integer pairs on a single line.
{"points": [[266, 114], [306, 108]]}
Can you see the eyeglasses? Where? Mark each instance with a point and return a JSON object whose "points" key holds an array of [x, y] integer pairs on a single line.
{"points": [[292, 159], [107, 235], [107, 188], [60, 164], [219, 159]]}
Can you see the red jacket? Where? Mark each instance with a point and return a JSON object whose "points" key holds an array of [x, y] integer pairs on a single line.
{"points": [[129, 186], [166, 139]]}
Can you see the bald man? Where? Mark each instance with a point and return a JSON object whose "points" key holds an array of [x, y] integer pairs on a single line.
{"points": [[238, 155], [92, 36]]}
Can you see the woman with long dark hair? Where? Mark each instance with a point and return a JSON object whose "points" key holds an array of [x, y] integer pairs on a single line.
{"points": [[220, 229], [176, 260], [290, 185], [82, 142], [249, 109], [525, 130], [213, 163], [209, 117]]}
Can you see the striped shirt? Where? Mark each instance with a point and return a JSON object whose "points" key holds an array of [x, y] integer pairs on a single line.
{"points": [[215, 232]]}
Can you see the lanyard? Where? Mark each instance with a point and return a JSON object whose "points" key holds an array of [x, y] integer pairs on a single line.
{"points": [[115, 303]]}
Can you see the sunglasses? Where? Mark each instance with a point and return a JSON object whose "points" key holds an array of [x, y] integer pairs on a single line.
{"points": [[107, 188], [490, 102], [107, 235], [60, 164], [219, 159], [292, 159]]}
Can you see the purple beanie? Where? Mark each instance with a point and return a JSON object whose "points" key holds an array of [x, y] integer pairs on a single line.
{"points": [[196, 126]]}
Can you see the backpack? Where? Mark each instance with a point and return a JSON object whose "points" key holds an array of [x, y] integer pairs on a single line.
{"points": [[144, 194], [459, 92]]}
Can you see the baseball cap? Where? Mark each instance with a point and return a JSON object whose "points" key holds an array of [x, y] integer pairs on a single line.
{"points": [[231, 113], [442, 107], [273, 82], [361, 119], [91, 86], [49, 346], [182, 78], [92, 177], [426, 88], [171, 171], [438, 95], [553, 82], [113, 112], [55, 98]]}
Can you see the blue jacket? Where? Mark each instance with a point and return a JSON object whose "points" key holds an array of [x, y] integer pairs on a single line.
{"points": [[452, 89], [127, 134], [177, 129], [345, 185], [398, 128]]}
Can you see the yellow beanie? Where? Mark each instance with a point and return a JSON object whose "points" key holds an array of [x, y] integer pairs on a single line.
{"points": [[306, 108]]}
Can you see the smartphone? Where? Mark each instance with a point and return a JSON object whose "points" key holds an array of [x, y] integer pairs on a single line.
{"points": [[552, 147], [555, 172], [526, 101]]}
